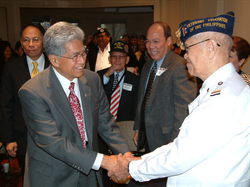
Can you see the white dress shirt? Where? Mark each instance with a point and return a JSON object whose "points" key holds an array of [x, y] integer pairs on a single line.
{"points": [[102, 61], [213, 146], [65, 83]]}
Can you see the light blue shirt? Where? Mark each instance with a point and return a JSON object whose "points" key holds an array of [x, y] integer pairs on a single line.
{"points": [[159, 63], [106, 80]]}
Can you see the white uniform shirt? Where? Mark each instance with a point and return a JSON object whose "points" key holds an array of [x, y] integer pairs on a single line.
{"points": [[213, 146]]}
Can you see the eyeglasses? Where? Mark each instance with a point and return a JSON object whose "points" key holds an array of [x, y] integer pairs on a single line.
{"points": [[186, 48], [154, 42], [114, 57], [75, 58], [35, 41]]}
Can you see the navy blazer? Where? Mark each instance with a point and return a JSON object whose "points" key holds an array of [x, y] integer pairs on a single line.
{"points": [[128, 100]]}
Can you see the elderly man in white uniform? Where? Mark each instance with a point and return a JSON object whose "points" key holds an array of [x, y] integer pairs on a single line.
{"points": [[213, 146]]}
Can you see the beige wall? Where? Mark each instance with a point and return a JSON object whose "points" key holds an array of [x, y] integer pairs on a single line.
{"points": [[171, 11], [89, 21]]}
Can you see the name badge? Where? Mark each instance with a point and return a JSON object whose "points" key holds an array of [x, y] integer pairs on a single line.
{"points": [[127, 86], [160, 71]]}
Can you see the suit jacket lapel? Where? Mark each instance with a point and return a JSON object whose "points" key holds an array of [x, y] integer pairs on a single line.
{"points": [[23, 72], [144, 82], [158, 79], [60, 100], [85, 92]]}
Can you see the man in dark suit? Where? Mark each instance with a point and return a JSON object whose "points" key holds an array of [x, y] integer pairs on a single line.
{"points": [[65, 108], [161, 110], [16, 72], [128, 82], [98, 55]]}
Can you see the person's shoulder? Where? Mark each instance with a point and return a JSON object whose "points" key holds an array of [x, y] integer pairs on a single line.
{"points": [[15, 61], [103, 71], [228, 90], [132, 75]]}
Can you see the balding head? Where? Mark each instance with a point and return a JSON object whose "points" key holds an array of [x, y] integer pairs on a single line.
{"points": [[158, 40]]}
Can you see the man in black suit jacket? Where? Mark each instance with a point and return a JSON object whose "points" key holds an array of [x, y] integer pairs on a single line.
{"points": [[16, 72], [128, 81]]}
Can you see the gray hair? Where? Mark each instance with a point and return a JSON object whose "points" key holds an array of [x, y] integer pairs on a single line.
{"points": [[58, 35], [222, 39]]}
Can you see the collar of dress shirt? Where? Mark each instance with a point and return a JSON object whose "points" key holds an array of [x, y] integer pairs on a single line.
{"points": [[40, 61], [120, 74], [107, 48], [66, 82], [159, 63]]}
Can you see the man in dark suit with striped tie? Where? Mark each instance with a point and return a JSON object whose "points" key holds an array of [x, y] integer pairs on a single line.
{"points": [[120, 85]]}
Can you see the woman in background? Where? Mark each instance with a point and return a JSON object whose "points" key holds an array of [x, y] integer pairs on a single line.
{"points": [[239, 53], [6, 53]]}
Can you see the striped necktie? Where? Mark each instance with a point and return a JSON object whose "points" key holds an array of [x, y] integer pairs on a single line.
{"points": [[115, 98], [35, 70]]}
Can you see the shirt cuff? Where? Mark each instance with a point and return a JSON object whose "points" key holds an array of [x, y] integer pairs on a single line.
{"points": [[105, 79], [135, 172], [98, 161]]}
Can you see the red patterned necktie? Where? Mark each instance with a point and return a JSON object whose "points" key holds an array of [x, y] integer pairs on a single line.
{"points": [[115, 100], [76, 108]]}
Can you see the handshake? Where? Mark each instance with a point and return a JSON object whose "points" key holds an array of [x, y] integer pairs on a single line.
{"points": [[118, 166]]}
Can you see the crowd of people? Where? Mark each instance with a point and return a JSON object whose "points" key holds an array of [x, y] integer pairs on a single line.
{"points": [[61, 97]]}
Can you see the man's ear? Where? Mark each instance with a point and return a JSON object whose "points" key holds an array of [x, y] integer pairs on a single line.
{"points": [[242, 62], [212, 48], [127, 59], [169, 40], [54, 60]]}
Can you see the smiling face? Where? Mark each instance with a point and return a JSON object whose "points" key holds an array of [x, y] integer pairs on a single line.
{"points": [[34, 51], [103, 40], [70, 68], [119, 60], [157, 44]]}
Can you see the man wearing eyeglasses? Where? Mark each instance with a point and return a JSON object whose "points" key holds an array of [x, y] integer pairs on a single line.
{"points": [[65, 108], [213, 146], [127, 82], [16, 72], [164, 93]]}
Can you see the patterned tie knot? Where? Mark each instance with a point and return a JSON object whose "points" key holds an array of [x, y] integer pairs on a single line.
{"points": [[71, 86], [35, 70], [35, 64]]}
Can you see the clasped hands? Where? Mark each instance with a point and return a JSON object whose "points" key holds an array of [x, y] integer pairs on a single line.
{"points": [[118, 169]]}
